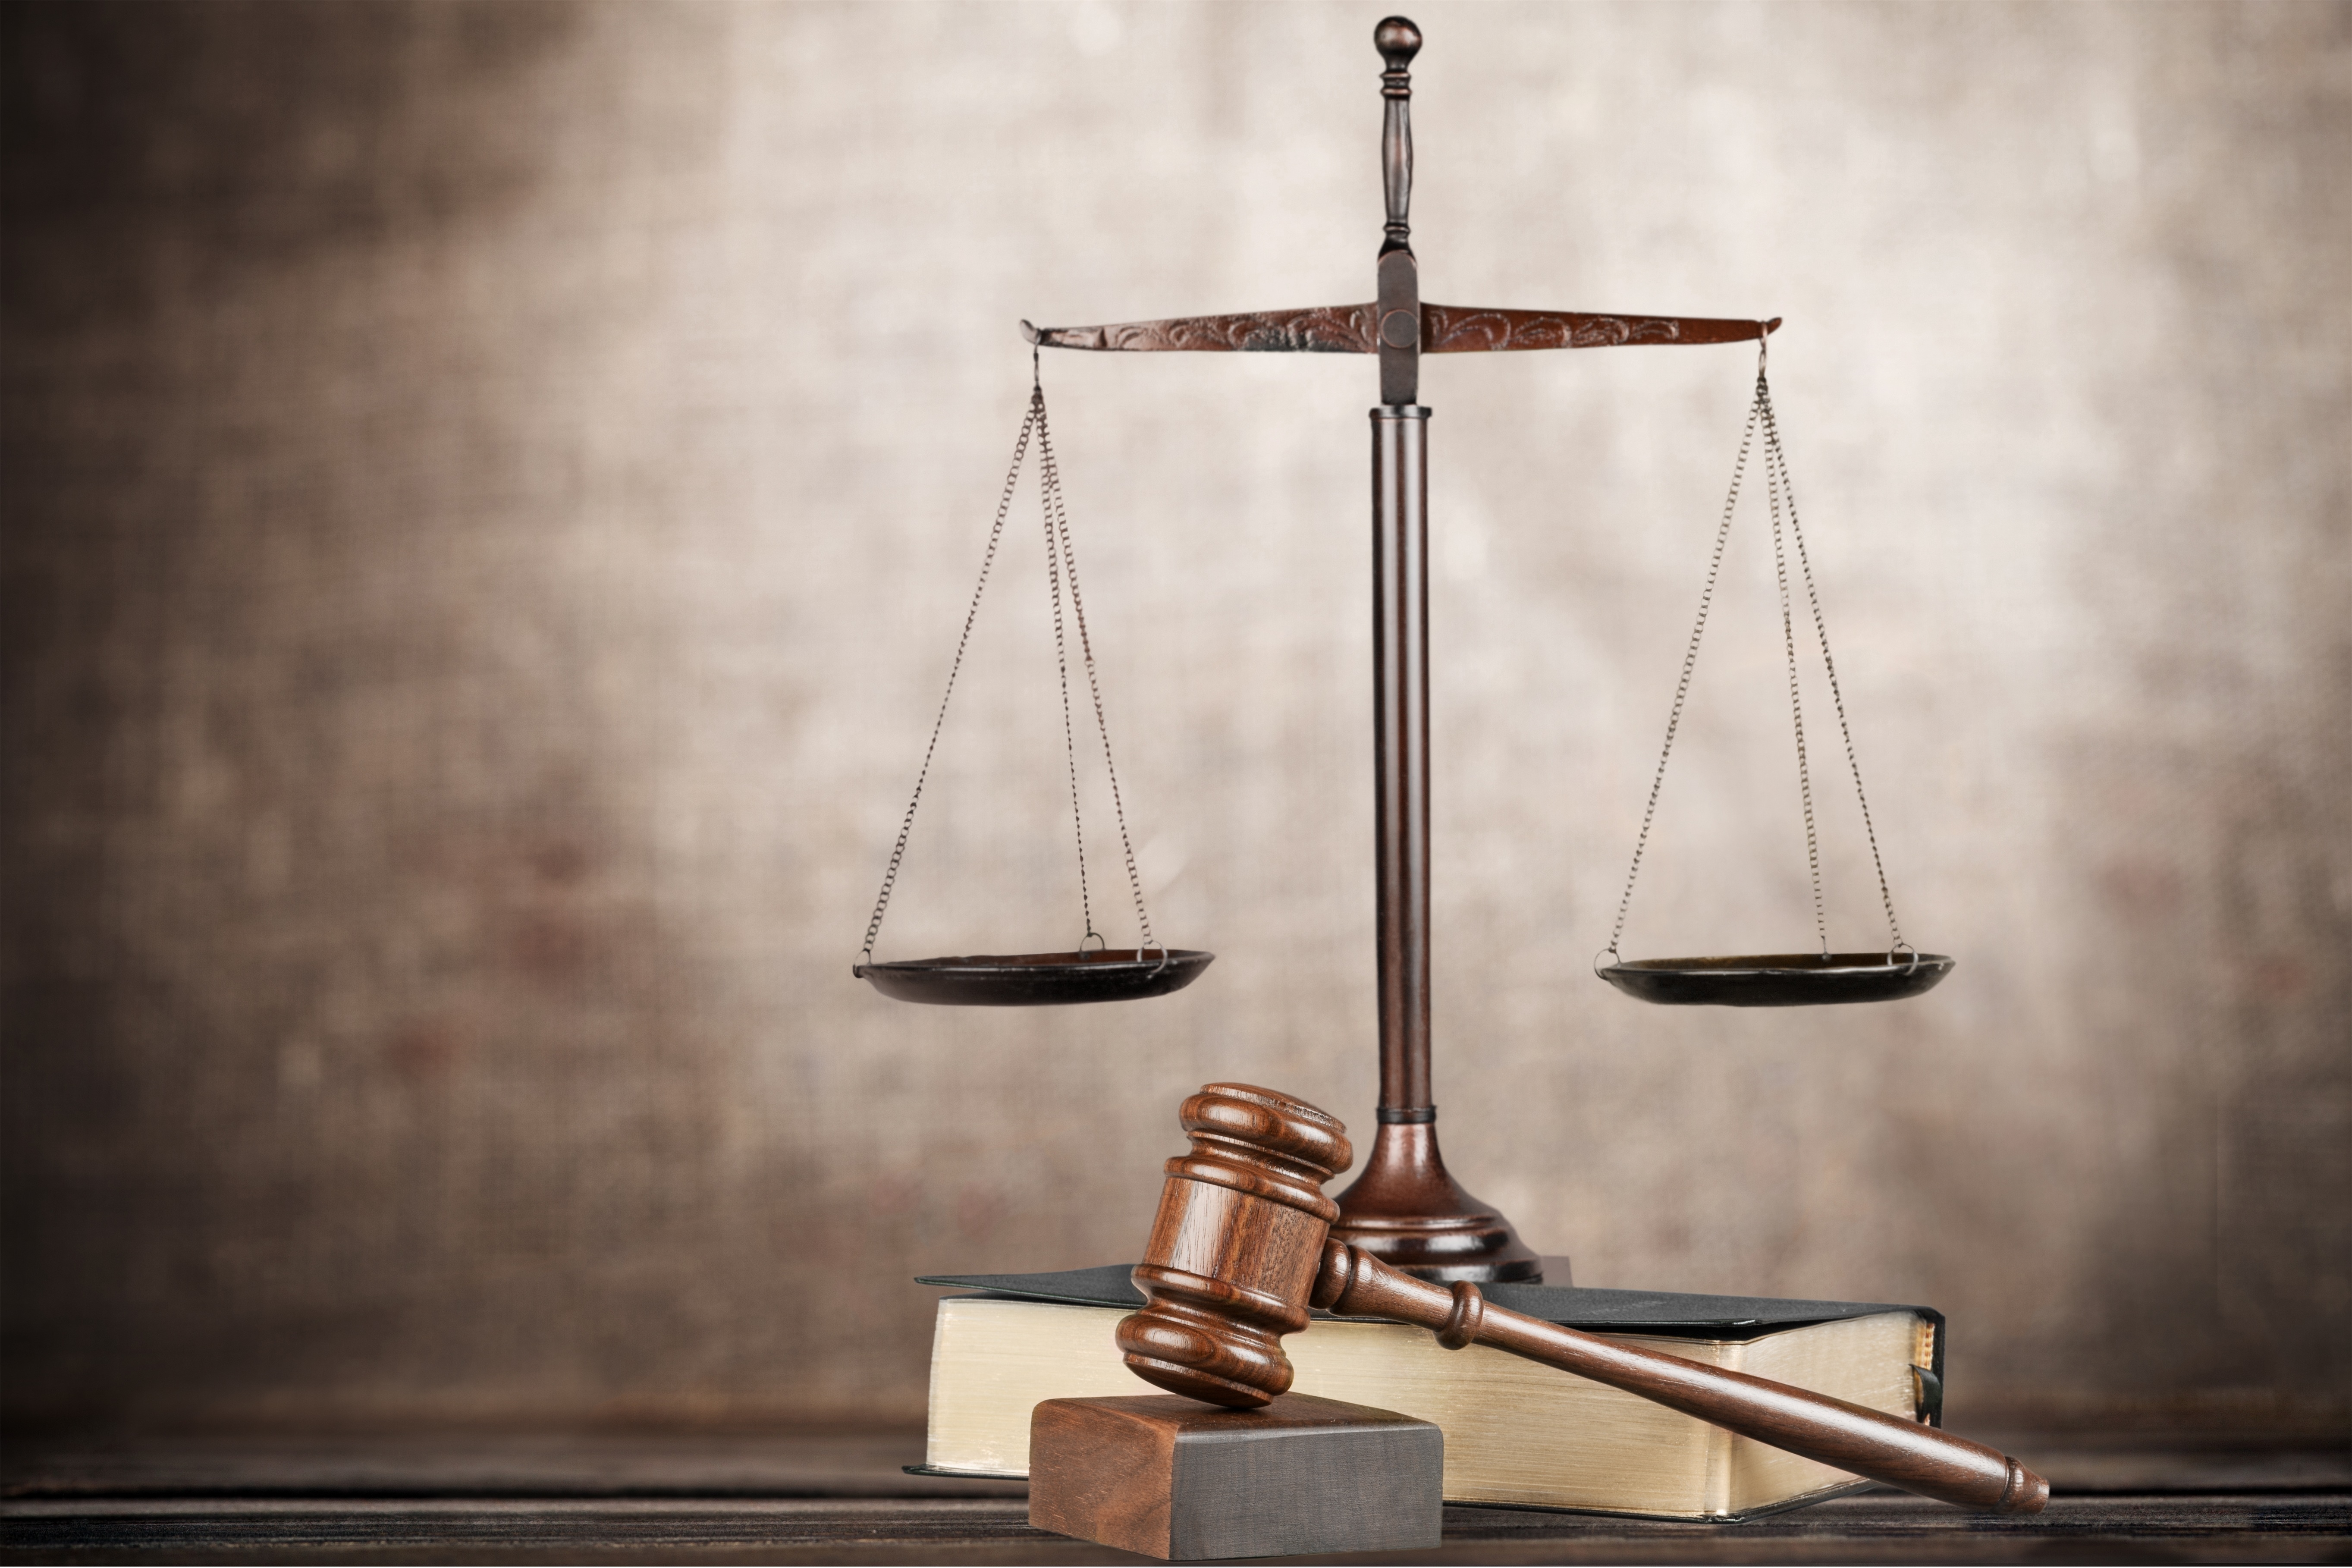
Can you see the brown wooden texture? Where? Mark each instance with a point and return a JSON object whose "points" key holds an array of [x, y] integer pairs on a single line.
{"points": [[1166, 1476], [1867, 1442], [806, 1495], [1105, 1469], [1235, 1244], [1871, 1528]]}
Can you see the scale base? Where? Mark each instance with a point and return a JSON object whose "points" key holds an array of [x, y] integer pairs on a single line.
{"points": [[1407, 1212]]}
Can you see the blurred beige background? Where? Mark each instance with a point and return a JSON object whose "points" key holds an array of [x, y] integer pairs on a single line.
{"points": [[491, 492]]}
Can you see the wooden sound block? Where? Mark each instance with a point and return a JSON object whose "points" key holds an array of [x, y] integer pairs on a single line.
{"points": [[1177, 1480]]}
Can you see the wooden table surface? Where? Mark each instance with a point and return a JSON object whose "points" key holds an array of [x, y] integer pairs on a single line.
{"points": [[806, 1497]]}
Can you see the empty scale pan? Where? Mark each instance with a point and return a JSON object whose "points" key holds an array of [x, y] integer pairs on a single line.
{"points": [[1090, 973], [1038, 979], [1778, 979]]}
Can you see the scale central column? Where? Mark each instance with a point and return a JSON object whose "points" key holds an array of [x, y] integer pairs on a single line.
{"points": [[1400, 752], [1404, 1210]]}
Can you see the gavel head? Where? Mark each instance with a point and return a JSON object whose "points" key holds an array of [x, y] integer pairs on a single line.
{"points": [[1236, 1247]]}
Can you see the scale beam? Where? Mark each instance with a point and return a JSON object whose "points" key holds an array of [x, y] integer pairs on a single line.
{"points": [[1350, 329]]}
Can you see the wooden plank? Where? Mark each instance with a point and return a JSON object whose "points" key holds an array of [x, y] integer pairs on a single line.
{"points": [[1876, 1527], [861, 1462], [864, 1462]]}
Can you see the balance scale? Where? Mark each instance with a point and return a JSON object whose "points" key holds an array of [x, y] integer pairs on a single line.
{"points": [[1404, 1208]]}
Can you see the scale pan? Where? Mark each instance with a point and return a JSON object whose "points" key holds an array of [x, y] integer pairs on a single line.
{"points": [[1778, 979], [1038, 979]]}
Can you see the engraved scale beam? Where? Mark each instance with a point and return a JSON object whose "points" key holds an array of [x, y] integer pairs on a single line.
{"points": [[1348, 330]]}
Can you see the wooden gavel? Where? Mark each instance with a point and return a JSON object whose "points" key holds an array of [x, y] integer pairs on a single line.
{"points": [[1242, 1245]]}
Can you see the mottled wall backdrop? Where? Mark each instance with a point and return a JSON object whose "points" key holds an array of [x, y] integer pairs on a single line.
{"points": [[491, 492]]}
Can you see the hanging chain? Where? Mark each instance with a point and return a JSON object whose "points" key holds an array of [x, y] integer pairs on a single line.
{"points": [[1061, 561], [995, 533], [1059, 541], [1049, 494], [1690, 662], [1775, 477], [1780, 464], [1779, 493]]}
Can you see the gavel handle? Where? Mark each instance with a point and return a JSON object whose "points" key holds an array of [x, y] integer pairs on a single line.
{"points": [[1905, 1454]]}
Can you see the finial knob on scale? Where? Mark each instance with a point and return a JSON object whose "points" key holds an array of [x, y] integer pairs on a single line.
{"points": [[1398, 40], [1397, 304]]}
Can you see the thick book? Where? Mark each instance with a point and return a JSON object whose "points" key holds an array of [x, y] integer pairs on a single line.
{"points": [[1516, 1433]]}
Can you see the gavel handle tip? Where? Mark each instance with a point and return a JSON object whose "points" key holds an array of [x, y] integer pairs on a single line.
{"points": [[2026, 1492]]}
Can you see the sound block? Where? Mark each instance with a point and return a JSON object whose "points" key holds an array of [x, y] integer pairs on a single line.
{"points": [[1176, 1480]]}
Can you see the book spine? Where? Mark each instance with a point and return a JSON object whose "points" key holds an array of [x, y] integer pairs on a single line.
{"points": [[931, 1455], [1722, 1449]]}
